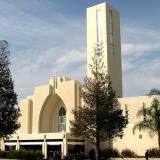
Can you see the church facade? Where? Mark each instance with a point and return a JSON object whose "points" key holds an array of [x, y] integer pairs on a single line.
{"points": [[46, 115]]}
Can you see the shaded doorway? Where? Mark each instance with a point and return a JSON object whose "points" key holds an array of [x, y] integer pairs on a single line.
{"points": [[54, 151], [76, 148], [10, 147], [31, 147]]}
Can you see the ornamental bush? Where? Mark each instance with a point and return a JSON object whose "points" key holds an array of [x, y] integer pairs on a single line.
{"points": [[154, 152], [128, 153], [3, 154], [74, 156], [22, 154], [110, 152]]}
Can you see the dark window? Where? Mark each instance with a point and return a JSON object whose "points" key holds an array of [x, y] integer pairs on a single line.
{"points": [[140, 136], [144, 112], [126, 113], [62, 120]]}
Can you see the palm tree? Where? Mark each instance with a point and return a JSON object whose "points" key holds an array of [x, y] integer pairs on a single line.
{"points": [[154, 91], [151, 117]]}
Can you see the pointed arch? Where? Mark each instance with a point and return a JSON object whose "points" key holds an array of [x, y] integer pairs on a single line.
{"points": [[49, 115]]}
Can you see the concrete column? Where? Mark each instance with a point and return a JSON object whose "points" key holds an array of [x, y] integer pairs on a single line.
{"points": [[65, 146], [44, 148], [2, 145], [62, 151], [17, 144]]}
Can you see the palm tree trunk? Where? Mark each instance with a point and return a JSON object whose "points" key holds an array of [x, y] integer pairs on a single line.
{"points": [[98, 150], [159, 140]]}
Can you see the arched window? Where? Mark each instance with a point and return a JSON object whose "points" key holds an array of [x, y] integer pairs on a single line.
{"points": [[62, 120]]}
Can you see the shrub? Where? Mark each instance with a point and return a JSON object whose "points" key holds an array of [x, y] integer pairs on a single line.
{"points": [[30, 154], [22, 154], [3, 154], [12, 154], [69, 156], [92, 154], [154, 152], [128, 153], [57, 155], [110, 152], [74, 156]]}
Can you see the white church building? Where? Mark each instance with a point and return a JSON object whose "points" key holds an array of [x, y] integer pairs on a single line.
{"points": [[46, 115]]}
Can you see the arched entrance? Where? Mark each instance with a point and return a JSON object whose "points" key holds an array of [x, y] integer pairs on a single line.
{"points": [[53, 115]]}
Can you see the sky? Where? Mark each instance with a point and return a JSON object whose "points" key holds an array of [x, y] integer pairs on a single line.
{"points": [[48, 37]]}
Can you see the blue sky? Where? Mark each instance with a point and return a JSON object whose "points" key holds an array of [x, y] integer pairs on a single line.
{"points": [[48, 36]]}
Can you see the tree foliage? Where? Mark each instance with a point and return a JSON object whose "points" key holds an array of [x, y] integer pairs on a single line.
{"points": [[9, 113], [154, 91], [151, 117], [100, 118]]}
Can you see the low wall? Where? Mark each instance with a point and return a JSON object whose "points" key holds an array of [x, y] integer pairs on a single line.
{"points": [[114, 159], [8, 159], [135, 159]]}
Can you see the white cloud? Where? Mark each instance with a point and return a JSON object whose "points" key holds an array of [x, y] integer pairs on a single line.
{"points": [[141, 60], [73, 56], [43, 41], [139, 49], [41, 45]]}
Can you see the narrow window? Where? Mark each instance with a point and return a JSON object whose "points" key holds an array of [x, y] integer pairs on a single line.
{"points": [[99, 47], [144, 112], [62, 120], [140, 136], [99, 26], [111, 40], [126, 113]]}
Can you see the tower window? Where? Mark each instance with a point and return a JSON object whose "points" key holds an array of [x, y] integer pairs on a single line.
{"points": [[111, 40], [99, 25], [140, 136], [126, 113], [62, 120], [99, 49], [144, 112]]}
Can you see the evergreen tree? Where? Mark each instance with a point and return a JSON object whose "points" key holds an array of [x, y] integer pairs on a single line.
{"points": [[9, 112], [100, 118]]}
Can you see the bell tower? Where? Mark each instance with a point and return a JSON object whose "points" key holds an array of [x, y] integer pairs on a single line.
{"points": [[103, 33]]}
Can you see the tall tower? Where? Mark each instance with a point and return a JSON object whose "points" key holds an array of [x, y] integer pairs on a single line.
{"points": [[103, 32]]}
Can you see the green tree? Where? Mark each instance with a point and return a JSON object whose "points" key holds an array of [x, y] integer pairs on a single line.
{"points": [[100, 118], [151, 117], [9, 113]]}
